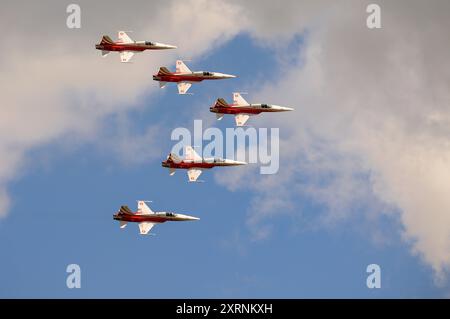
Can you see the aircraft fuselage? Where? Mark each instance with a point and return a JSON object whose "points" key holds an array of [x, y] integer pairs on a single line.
{"points": [[248, 109], [190, 77], [160, 217], [204, 164], [135, 47]]}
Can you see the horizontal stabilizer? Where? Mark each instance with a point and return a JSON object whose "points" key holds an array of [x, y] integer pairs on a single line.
{"points": [[219, 116], [162, 84]]}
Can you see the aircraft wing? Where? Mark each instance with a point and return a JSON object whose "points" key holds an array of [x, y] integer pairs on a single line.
{"points": [[191, 154], [145, 227], [239, 100], [123, 37], [125, 56], [193, 174], [181, 67], [241, 119], [183, 87]]}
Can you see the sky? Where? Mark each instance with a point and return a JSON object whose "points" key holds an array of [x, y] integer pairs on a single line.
{"points": [[364, 159]]}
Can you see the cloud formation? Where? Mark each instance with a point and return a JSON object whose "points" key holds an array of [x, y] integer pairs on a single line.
{"points": [[371, 126], [55, 83]]}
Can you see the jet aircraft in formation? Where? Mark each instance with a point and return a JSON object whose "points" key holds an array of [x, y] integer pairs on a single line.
{"points": [[147, 218], [127, 47], [184, 77], [242, 110], [194, 163]]}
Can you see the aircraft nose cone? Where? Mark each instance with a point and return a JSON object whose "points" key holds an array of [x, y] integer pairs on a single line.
{"points": [[168, 46], [238, 163], [187, 217], [164, 46], [229, 76], [282, 108]]}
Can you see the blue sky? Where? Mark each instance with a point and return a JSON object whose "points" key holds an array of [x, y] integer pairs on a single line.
{"points": [[64, 196]]}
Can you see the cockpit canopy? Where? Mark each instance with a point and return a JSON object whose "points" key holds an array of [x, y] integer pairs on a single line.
{"points": [[206, 73], [265, 106], [170, 214], [149, 43]]}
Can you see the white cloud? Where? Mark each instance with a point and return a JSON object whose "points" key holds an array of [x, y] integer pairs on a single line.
{"points": [[372, 120], [56, 84]]}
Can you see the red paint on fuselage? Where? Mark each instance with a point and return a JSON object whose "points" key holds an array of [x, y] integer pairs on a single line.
{"points": [[179, 77], [122, 47], [238, 110], [188, 165], [141, 218]]}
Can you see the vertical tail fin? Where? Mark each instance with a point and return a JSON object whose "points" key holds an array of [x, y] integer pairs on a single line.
{"points": [[163, 71], [174, 158], [106, 40], [221, 103]]}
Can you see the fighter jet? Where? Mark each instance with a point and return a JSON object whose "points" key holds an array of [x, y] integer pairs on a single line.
{"points": [[127, 47], [147, 218], [185, 77], [194, 163], [242, 110]]}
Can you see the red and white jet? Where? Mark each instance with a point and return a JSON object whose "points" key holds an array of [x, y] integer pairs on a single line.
{"points": [[185, 77], [194, 163], [147, 218], [242, 110], [127, 47]]}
